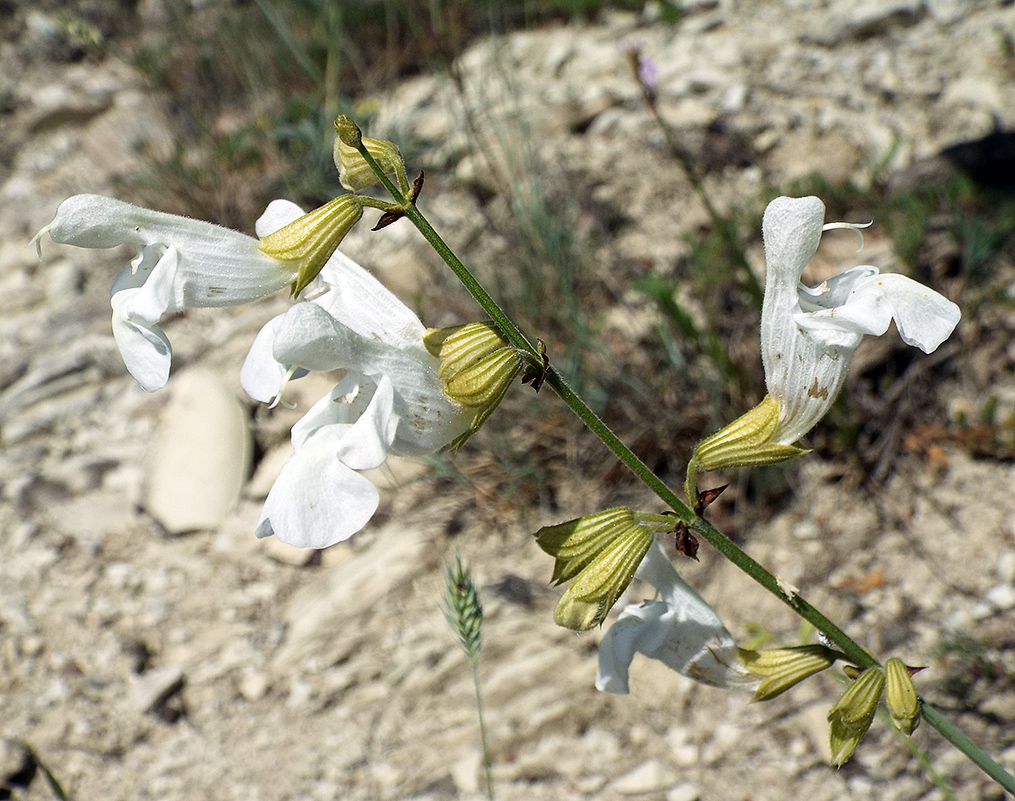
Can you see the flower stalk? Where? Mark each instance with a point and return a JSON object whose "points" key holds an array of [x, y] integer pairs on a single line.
{"points": [[852, 651]]}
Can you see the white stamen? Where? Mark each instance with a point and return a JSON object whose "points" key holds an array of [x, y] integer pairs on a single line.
{"points": [[853, 226], [279, 399]]}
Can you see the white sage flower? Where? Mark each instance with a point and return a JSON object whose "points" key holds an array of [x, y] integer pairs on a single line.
{"points": [[390, 402], [680, 630], [181, 263], [809, 334]]}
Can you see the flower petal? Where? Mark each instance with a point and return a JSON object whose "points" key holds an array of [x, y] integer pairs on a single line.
{"points": [[428, 419], [791, 229], [369, 308], [681, 631], [924, 318], [261, 376], [316, 500], [311, 338], [278, 214], [143, 345], [367, 442], [217, 266], [342, 406]]}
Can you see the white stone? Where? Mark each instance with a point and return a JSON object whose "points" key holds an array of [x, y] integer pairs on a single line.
{"points": [[465, 771], [1001, 595], [201, 454], [157, 685], [1005, 567], [685, 791], [946, 12], [253, 685], [267, 471], [651, 776], [282, 552], [976, 92]]}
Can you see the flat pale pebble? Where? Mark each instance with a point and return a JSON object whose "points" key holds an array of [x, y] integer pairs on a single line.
{"points": [[200, 456]]}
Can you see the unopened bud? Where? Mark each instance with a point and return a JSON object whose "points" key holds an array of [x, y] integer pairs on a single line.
{"points": [[353, 170], [309, 241], [852, 714], [900, 696], [348, 131], [782, 668]]}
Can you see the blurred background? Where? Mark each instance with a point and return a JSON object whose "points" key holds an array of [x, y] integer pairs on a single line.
{"points": [[603, 167]]}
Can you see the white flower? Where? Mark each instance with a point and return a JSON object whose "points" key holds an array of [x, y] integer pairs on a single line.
{"points": [[681, 631], [390, 401], [809, 334], [181, 263]]}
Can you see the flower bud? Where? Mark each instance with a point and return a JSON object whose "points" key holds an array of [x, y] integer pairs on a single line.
{"points": [[745, 441], [601, 553], [353, 170], [782, 668], [477, 367], [853, 712], [348, 131], [900, 696], [309, 241]]}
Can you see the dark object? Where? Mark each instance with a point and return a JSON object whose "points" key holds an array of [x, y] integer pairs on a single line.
{"points": [[537, 378], [706, 497], [989, 161], [685, 541], [18, 766]]}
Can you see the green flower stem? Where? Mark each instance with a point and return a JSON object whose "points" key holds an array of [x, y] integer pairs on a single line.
{"points": [[500, 319], [717, 539], [951, 733], [518, 339]]}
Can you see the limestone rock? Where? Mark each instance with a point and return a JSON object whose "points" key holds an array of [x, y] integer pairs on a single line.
{"points": [[201, 455], [651, 776]]}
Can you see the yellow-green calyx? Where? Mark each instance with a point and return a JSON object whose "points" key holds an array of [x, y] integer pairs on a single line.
{"points": [[900, 696], [782, 668], [743, 443], [601, 553], [353, 170], [309, 241], [853, 712], [477, 367]]}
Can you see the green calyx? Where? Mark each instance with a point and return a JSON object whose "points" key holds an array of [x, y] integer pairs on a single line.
{"points": [[599, 554], [900, 696], [477, 366], [309, 241], [745, 441], [852, 714], [782, 668]]}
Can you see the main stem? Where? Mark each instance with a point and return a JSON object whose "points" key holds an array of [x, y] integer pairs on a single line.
{"points": [[716, 538]]}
